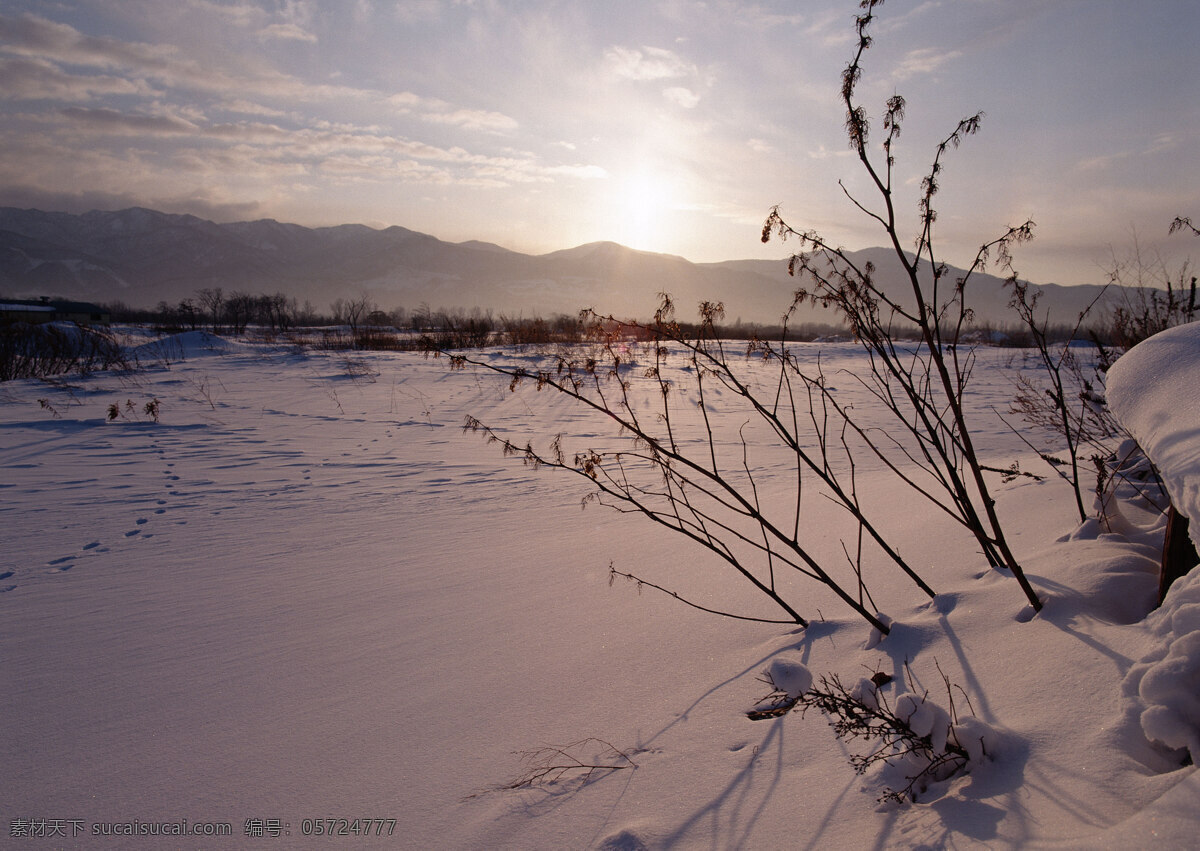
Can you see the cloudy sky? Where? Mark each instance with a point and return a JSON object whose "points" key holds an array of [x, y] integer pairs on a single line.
{"points": [[666, 125]]}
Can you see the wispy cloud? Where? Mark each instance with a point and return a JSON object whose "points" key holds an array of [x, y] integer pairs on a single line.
{"points": [[114, 122], [924, 60], [239, 14], [473, 119], [187, 142], [823, 153], [45, 50], [647, 63], [681, 96], [200, 204], [287, 32], [1160, 143], [24, 78], [248, 107], [33, 36]]}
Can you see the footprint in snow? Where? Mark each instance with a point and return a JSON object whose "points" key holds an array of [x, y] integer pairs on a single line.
{"points": [[92, 545], [624, 840]]}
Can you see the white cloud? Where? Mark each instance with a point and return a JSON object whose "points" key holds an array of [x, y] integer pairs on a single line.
{"points": [[239, 14], [110, 121], [1163, 142], [823, 153], [30, 35], [406, 101], [247, 107], [582, 172], [924, 60], [25, 78], [647, 63], [287, 32], [681, 96], [473, 119]]}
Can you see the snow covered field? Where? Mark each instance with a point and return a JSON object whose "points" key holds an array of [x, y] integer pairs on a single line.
{"points": [[303, 593]]}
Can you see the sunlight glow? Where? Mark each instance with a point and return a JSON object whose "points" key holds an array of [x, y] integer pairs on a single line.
{"points": [[644, 206]]}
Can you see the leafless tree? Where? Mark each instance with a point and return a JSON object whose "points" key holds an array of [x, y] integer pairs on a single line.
{"points": [[923, 387], [240, 310], [1149, 296], [708, 489], [352, 311], [212, 300], [1066, 402]]}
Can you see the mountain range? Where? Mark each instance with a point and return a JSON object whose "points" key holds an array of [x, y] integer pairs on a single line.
{"points": [[142, 257]]}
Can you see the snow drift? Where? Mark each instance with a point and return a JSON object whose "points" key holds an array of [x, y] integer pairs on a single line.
{"points": [[1154, 390]]}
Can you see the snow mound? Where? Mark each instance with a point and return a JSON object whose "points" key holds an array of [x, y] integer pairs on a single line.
{"points": [[1107, 576], [925, 718], [865, 692], [925, 769], [1165, 685], [1154, 391], [185, 346], [788, 674]]}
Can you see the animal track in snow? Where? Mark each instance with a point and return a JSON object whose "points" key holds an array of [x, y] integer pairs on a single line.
{"points": [[62, 564]]}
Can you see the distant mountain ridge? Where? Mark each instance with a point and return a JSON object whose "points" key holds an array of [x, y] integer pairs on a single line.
{"points": [[142, 257]]}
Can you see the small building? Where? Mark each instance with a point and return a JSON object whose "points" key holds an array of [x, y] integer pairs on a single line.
{"points": [[52, 310]]}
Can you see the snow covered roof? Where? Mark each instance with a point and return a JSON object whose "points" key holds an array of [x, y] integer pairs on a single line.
{"points": [[54, 308], [24, 307]]}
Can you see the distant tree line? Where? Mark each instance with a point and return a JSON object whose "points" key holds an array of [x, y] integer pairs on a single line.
{"points": [[369, 326], [1149, 298], [220, 312]]}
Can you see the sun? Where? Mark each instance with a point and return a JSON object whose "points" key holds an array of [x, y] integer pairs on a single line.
{"points": [[644, 205]]}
